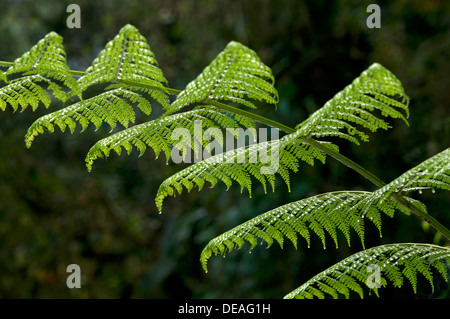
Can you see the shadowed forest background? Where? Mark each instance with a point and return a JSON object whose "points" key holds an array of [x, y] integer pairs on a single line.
{"points": [[53, 212]]}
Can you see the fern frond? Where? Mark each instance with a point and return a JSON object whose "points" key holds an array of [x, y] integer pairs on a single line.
{"points": [[259, 161], [375, 89], [236, 75], [127, 57], [24, 92], [433, 173], [392, 265], [112, 106], [42, 68], [157, 134], [321, 214], [376, 93]]}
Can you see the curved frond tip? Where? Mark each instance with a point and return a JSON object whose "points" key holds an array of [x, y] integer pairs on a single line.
{"points": [[235, 75], [365, 104], [128, 64], [112, 106], [127, 57], [42, 68], [260, 162]]}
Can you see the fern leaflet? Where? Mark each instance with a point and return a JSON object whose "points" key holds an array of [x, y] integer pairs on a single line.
{"points": [[260, 161], [42, 68], [158, 134], [372, 87], [395, 263], [321, 214], [376, 90], [432, 173], [126, 59], [111, 107], [235, 74]]}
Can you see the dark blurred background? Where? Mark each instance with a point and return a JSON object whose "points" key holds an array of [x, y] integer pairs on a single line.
{"points": [[54, 213]]}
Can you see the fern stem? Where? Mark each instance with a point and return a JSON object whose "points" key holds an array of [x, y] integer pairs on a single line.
{"points": [[251, 115], [150, 87], [347, 162], [417, 211], [6, 64]]}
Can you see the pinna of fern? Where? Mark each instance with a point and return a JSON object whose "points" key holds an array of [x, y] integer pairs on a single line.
{"points": [[158, 134], [327, 213], [259, 161], [377, 93], [323, 215], [359, 105], [236, 74], [433, 173], [40, 69], [130, 72], [125, 59], [393, 264]]}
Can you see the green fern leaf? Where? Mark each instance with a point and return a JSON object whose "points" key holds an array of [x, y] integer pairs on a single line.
{"points": [[376, 93], [433, 173], [157, 134], [394, 263], [326, 213], [42, 68], [24, 92], [236, 75], [375, 89], [321, 214], [260, 161], [126, 59]]}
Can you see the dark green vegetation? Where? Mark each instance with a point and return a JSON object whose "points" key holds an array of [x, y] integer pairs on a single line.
{"points": [[54, 213]]}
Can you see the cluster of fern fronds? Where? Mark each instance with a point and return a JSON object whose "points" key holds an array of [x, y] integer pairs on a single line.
{"points": [[125, 77]]}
